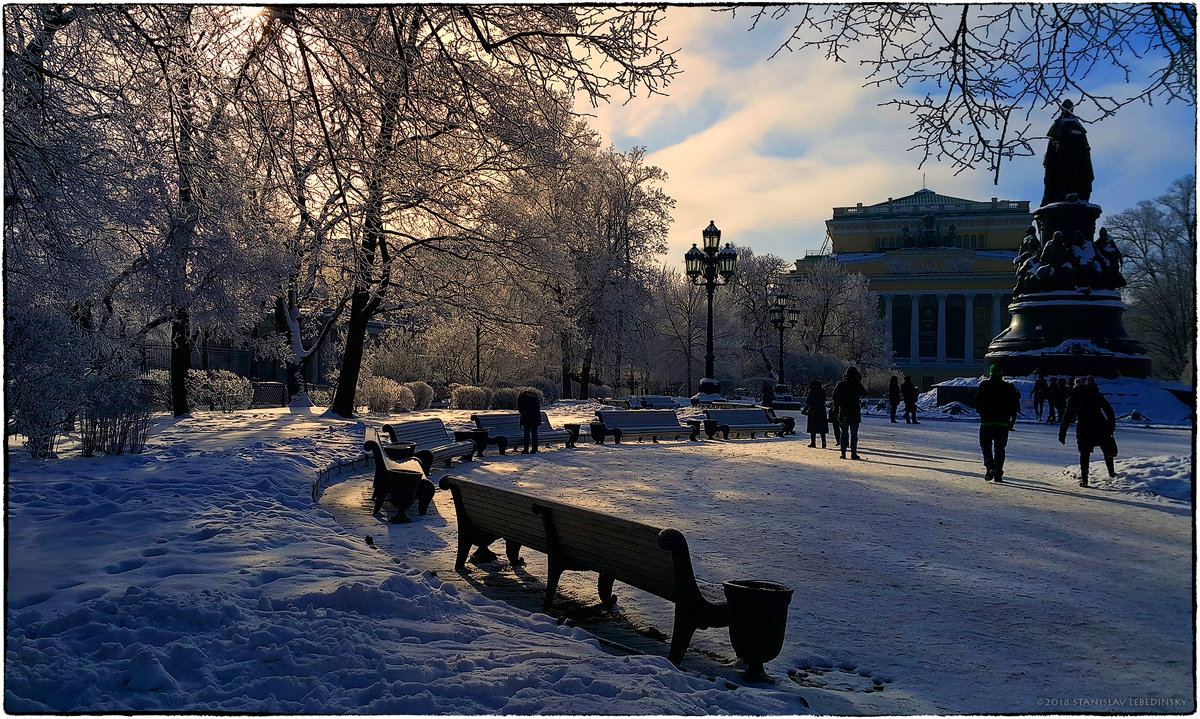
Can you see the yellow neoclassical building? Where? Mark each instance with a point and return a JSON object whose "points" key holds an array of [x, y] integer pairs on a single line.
{"points": [[941, 268]]}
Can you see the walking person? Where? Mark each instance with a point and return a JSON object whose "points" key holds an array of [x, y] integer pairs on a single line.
{"points": [[1095, 424], [1061, 391], [998, 404], [1040, 390], [909, 391], [847, 402], [814, 409], [768, 395], [894, 396], [529, 404]]}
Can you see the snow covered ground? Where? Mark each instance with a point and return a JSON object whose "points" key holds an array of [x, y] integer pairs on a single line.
{"points": [[201, 576]]}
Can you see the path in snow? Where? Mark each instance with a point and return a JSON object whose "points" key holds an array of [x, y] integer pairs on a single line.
{"points": [[919, 588]]}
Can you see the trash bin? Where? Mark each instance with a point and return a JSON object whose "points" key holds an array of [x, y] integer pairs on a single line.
{"points": [[757, 623]]}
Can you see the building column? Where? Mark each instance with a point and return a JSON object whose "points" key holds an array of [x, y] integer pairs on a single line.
{"points": [[969, 329], [887, 321], [996, 314], [941, 328], [914, 341]]}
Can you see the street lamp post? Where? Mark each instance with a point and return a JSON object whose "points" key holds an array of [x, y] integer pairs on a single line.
{"points": [[784, 315], [704, 267]]}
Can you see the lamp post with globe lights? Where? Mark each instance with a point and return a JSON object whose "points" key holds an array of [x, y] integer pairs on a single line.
{"points": [[704, 267], [784, 315]]}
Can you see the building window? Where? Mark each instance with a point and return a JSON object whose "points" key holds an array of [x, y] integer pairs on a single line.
{"points": [[901, 326], [927, 325], [956, 326]]}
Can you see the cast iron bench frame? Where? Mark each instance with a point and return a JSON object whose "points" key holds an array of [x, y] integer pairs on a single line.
{"points": [[394, 480], [504, 430], [640, 423], [650, 558], [742, 421], [433, 443]]}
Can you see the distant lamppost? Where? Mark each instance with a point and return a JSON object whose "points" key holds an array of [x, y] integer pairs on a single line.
{"points": [[784, 315], [704, 268]]}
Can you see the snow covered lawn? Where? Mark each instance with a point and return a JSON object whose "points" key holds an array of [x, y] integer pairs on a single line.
{"points": [[201, 576]]}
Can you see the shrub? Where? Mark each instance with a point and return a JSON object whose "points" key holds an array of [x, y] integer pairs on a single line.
{"points": [[115, 416], [227, 391], [157, 384], [378, 394], [320, 397], [505, 398], [467, 397], [422, 394], [551, 390], [405, 400]]}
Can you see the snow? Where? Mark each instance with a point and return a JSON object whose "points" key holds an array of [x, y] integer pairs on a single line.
{"points": [[201, 576]]}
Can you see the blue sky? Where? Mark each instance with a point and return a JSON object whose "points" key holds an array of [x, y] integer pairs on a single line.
{"points": [[767, 148]]}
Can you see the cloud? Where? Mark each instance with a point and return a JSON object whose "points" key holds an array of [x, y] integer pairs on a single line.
{"points": [[767, 148]]}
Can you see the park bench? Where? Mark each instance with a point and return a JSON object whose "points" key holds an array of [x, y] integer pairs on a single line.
{"points": [[504, 430], [650, 558], [652, 423], [657, 401], [743, 421], [433, 442], [397, 476]]}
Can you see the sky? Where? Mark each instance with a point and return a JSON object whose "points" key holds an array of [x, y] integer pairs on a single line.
{"points": [[767, 147]]}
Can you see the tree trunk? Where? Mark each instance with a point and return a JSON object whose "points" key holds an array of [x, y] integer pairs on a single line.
{"points": [[292, 371], [181, 362], [565, 343], [356, 336], [585, 374]]}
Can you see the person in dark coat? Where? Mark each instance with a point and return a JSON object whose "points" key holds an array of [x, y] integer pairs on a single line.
{"points": [[1095, 423], [909, 391], [1061, 391], [998, 404], [814, 408], [894, 396], [847, 401], [1040, 390], [529, 404], [768, 394]]}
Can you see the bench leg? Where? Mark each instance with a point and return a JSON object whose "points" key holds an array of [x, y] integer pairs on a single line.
{"points": [[681, 636], [464, 547], [513, 551], [605, 585], [553, 573], [425, 457], [502, 444], [425, 491], [616, 433]]}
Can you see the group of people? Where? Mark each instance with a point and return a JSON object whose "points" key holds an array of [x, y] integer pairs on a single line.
{"points": [[999, 402], [1051, 393], [844, 412], [908, 392]]}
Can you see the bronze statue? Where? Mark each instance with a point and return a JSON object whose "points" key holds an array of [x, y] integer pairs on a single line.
{"points": [[1068, 159], [1109, 257]]}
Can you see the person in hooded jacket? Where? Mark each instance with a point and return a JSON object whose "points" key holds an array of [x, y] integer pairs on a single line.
{"points": [[847, 401], [1040, 390], [998, 404], [909, 391], [529, 404], [814, 409], [1095, 423], [894, 396]]}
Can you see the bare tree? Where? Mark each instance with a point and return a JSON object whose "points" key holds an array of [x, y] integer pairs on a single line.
{"points": [[839, 316], [1158, 240], [679, 305], [993, 65]]}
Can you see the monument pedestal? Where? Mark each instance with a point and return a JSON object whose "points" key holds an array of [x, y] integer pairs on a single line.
{"points": [[1068, 333]]}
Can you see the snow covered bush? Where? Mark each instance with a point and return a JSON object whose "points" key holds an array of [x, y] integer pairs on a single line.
{"points": [[320, 397], [378, 394], [227, 391], [467, 397], [46, 360], [505, 398], [115, 415], [422, 394], [551, 390], [406, 401]]}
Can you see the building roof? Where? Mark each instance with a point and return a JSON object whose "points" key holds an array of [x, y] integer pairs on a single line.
{"points": [[925, 201]]}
